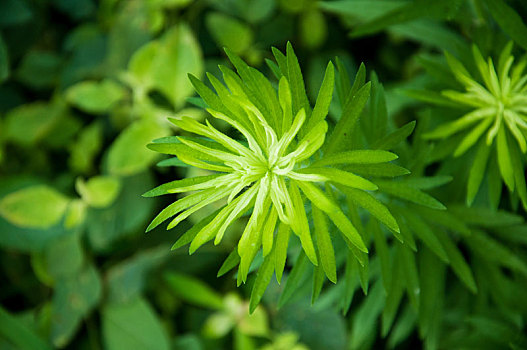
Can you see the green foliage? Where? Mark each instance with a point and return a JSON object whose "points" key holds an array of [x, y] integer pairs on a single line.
{"points": [[93, 97], [283, 157], [352, 214], [499, 112], [133, 325], [38, 207]]}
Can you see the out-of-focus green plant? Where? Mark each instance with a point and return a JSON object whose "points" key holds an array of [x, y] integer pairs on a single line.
{"points": [[496, 118]]}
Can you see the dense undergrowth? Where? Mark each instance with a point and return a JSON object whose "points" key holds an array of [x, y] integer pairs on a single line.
{"points": [[352, 173]]}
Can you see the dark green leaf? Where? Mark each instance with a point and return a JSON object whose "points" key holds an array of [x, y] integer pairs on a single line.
{"points": [[509, 20], [232, 260], [493, 251], [324, 245], [408, 12], [365, 319], [477, 171], [484, 217], [4, 61], [265, 273], [395, 137], [426, 233], [85, 288], [410, 194], [126, 280], [373, 206], [133, 326], [340, 137], [457, 262], [432, 281], [193, 290], [295, 279], [19, 334]]}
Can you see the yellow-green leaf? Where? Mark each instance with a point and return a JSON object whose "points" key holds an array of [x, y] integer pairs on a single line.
{"points": [[98, 191], [36, 207]]}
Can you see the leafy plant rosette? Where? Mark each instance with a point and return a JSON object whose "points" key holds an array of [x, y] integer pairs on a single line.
{"points": [[492, 96], [287, 173]]}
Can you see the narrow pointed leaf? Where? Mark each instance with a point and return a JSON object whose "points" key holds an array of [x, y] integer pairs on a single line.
{"points": [[295, 279], [188, 236], [493, 251], [377, 170], [395, 137], [296, 82], [232, 260], [325, 204], [165, 188], [477, 171], [373, 206], [356, 157], [411, 277], [410, 194], [504, 160], [342, 177], [350, 113], [509, 20], [381, 248], [325, 94], [457, 262], [303, 225], [280, 255], [324, 245], [426, 233], [263, 278]]}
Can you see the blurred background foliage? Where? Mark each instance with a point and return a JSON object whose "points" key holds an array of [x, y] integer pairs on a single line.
{"points": [[85, 85]]}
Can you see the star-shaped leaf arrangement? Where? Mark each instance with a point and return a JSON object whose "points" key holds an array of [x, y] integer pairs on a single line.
{"points": [[495, 119], [275, 164]]}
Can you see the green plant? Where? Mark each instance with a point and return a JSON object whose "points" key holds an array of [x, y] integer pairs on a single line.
{"points": [[86, 85], [497, 117], [284, 157]]}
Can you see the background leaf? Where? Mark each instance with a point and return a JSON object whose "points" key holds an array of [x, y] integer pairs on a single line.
{"points": [[34, 207], [133, 325]]}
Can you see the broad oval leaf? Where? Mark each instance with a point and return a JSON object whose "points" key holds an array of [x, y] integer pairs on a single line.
{"points": [[35, 207], [98, 191], [128, 154], [95, 97]]}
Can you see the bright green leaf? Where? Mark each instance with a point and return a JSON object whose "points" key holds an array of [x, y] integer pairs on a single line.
{"points": [[98, 191], [128, 154], [357, 157], [36, 207], [95, 97], [229, 32], [30, 123]]}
